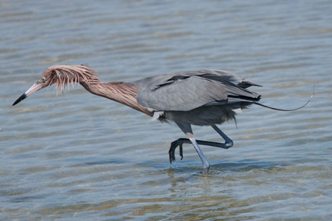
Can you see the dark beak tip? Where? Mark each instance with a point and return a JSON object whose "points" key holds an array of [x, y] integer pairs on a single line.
{"points": [[18, 100]]}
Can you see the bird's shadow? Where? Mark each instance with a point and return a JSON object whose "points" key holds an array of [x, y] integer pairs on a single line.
{"points": [[182, 167], [247, 165], [244, 165], [96, 162]]}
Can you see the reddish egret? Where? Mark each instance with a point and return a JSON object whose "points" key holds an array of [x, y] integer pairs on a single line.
{"points": [[203, 97]]}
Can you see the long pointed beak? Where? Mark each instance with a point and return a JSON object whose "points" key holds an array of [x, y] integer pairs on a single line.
{"points": [[35, 87]]}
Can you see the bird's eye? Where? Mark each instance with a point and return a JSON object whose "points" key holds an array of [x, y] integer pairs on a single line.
{"points": [[42, 80]]}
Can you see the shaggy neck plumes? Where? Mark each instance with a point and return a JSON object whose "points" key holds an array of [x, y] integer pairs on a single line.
{"points": [[64, 75]]}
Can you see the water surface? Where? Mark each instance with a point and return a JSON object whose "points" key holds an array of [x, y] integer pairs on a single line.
{"points": [[81, 157]]}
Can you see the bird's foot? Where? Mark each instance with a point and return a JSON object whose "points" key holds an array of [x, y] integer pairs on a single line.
{"points": [[179, 142], [206, 170]]}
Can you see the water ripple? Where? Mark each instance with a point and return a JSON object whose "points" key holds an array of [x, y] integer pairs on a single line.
{"points": [[80, 157]]}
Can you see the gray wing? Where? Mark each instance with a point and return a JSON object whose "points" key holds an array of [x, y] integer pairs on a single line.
{"points": [[184, 91]]}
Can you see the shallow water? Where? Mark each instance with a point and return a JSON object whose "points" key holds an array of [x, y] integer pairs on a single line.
{"points": [[80, 157]]}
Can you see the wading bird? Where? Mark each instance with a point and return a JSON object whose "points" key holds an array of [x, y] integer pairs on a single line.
{"points": [[203, 97]]}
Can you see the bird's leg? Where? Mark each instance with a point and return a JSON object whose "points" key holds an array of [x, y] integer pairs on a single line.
{"points": [[179, 142], [186, 128], [206, 165], [228, 141]]}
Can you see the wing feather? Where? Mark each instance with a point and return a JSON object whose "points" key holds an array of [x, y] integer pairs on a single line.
{"points": [[186, 91]]}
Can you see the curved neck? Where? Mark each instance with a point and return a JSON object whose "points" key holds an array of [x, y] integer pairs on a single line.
{"points": [[124, 93]]}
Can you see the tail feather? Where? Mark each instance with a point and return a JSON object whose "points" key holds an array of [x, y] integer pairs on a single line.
{"points": [[291, 109], [245, 84], [282, 109]]}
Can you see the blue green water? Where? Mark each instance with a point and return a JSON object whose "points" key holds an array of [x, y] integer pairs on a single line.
{"points": [[81, 157]]}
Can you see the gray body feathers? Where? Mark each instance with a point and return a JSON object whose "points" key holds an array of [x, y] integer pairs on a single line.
{"points": [[202, 97]]}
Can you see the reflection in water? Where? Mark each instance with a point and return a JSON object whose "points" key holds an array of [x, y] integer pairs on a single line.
{"points": [[79, 157], [181, 204]]}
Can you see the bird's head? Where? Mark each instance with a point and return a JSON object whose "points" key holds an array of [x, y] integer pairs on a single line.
{"points": [[61, 75]]}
